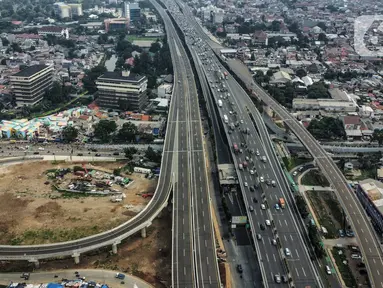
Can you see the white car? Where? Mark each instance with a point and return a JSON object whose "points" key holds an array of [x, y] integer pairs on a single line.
{"points": [[328, 270], [257, 153], [263, 206], [295, 173], [273, 183], [277, 206], [245, 184], [230, 112], [274, 242], [268, 223], [287, 252], [241, 121], [261, 179], [252, 172], [41, 149]]}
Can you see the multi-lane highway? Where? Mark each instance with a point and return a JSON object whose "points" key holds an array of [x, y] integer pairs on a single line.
{"points": [[284, 228], [194, 257], [371, 249]]}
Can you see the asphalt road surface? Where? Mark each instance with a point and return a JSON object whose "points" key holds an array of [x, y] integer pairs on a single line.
{"points": [[194, 256], [370, 247]]}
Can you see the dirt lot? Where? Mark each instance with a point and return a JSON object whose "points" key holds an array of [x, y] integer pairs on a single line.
{"points": [[29, 215], [148, 258]]}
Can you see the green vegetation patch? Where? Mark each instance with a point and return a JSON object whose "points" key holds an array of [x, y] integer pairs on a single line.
{"points": [[293, 162], [344, 269], [314, 178]]}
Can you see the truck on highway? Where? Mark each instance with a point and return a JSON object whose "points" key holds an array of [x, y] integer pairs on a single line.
{"points": [[282, 202], [235, 147], [219, 103], [225, 119]]}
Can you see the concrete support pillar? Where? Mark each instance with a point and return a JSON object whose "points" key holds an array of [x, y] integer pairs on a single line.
{"points": [[114, 248], [36, 262], [143, 232], [76, 257]]}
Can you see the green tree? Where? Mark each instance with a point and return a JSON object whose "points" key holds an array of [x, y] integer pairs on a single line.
{"points": [[103, 129], [317, 90], [322, 25], [327, 128], [275, 25], [301, 73], [69, 134], [155, 47], [377, 135], [130, 152], [152, 155], [128, 132], [322, 37]]}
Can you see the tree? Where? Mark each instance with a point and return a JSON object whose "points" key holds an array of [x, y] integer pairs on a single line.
{"points": [[327, 128], [322, 37], [322, 25], [275, 25], [317, 90], [377, 135], [301, 73], [152, 155], [69, 134], [5, 41], [155, 47], [301, 205], [252, 57], [130, 152], [103, 129], [128, 132]]}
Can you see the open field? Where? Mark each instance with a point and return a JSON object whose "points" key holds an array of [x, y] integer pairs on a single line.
{"points": [[148, 258], [32, 212]]}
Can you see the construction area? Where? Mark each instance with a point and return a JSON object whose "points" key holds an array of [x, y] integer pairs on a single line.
{"points": [[48, 202]]}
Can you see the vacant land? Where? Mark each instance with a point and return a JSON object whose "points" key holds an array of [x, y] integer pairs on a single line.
{"points": [[327, 210], [31, 212], [314, 178], [148, 258]]}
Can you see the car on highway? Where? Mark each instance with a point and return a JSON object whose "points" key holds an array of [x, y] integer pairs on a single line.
{"points": [[252, 189], [301, 169], [97, 155], [255, 200], [295, 173], [259, 236], [241, 121], [251, 171], [274, 242], [25, 275], [247, 158], [116, 153], [245, 184], [268, 223], [287, 252], [230, 112], [263, 206], [356, 256], [239, 268], [251, 208], [285, 279], [273, 183], [277, 206], [328, 270], [257, 152], [277, 278], [262, 226], [261, 179], [80, 154]]}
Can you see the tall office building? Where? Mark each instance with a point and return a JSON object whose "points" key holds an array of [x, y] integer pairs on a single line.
{"points": [[132, 11], [30, 84], [67, 10], [114, 87]]}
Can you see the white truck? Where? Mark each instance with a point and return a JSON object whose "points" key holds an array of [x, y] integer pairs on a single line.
{"points": [[219, 103]]}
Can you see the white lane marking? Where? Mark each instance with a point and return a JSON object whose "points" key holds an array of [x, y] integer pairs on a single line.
{"points": [[291, 237], [275, 259], [297, 272], [304, 273], [296, 251], [286, 222], [184, 270], [184, 253]]}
